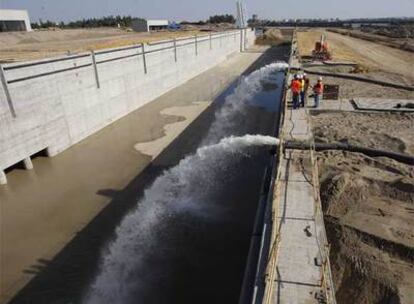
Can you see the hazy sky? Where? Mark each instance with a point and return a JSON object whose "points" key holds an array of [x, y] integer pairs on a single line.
{"points": [[179, 10]]}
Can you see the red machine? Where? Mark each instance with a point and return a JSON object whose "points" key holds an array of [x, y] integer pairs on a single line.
{"points": [[321, 51]]}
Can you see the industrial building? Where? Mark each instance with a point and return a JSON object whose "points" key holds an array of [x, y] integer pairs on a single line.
{"points": [[14, 20], [144, 25]]}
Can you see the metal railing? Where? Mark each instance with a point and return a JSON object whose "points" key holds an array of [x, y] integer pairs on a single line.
{"points": [[271, 271], [96, 59], [271, 268]]}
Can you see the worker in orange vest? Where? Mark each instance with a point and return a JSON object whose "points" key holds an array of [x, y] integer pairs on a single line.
{"points": [[318, 91], [295, 88]]}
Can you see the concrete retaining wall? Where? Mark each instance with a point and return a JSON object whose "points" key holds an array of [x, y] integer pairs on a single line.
{"points": [[54, 103]]}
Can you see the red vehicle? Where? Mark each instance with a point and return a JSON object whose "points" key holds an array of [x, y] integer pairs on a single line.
{"points": [[321, 51]]}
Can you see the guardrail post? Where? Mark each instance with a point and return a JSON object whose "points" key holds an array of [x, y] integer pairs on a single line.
{"points": [[7, 92], [241, 40], [144, 60], [245, 39], [95, 68], [196, 45], [211, 46], [175, 50]]}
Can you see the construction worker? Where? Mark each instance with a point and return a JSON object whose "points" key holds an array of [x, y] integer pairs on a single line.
{"points": [[318, 91], [304, 92], [295, 88]]}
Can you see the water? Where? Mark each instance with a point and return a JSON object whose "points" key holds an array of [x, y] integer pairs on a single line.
{"points": [[251, 91], [186, 189]]}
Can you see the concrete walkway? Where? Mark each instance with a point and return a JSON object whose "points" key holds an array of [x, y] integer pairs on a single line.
{"points": [[43, 209], [296, 273], [298, 277]]}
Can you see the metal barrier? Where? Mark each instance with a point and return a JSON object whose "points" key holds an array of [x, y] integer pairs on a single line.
{"points": [[95, 60], [324, 247], [191, 40], [271, 268]]}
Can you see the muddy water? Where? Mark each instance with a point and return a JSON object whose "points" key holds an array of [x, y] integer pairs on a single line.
{"points": [[190, 192], [196, 258]]}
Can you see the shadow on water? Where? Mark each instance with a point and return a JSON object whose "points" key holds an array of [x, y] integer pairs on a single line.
{"points": [[201, 259]]}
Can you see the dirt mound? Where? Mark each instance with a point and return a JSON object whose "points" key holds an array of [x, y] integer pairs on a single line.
{"points": [[272, 37], [388, 131], [369, 214], [358, 269]]}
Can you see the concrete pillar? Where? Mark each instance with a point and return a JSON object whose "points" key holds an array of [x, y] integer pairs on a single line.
{"points": [[28, 165], [51, 151], [3, 178]]}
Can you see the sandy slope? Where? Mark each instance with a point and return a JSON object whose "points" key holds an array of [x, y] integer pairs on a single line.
{"points": [[377, 57]]}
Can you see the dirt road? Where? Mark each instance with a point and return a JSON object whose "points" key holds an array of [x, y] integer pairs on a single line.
{"points": [[376, 57]]}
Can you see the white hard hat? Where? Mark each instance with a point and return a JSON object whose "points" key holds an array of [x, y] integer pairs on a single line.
{"points": [[320, 78], [300, 76], [304, 74]]}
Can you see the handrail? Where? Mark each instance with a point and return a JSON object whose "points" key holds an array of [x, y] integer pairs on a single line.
{"points": [[323, 244], [271, 267], [110, 51], [271, 270]]}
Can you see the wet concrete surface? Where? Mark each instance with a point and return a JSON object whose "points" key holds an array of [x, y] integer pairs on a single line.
{"points": [[104, 175]]}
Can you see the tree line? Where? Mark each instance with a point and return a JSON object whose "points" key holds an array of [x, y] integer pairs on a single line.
{"points": [[111, 21], [123, 21]]}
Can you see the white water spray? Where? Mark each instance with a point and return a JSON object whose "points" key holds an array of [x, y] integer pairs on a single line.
{"points": [[170, 193], [236, 103], [175, 192]]}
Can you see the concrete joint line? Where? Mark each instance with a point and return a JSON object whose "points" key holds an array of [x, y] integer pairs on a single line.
{"points": [[7, 92], [95, 68], [196, 45]]}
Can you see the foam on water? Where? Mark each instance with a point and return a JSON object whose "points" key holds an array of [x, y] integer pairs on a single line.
{"points": [[236, 104], [175, 192]]}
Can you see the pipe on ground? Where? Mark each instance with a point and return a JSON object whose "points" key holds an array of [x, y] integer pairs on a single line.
{"points": [[403, 158]]}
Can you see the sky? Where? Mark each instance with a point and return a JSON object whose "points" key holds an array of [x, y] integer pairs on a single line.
{"points": [[193, 10]]}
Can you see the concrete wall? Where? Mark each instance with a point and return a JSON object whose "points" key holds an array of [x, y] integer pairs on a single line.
{"points": [[8, 18], [54, 103]]}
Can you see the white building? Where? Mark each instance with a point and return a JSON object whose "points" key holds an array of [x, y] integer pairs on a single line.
{"points": [[144, 25], [14, 20]]}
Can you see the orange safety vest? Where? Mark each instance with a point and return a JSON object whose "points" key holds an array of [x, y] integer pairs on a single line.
{"points": [[295, 86], [318, 88]]}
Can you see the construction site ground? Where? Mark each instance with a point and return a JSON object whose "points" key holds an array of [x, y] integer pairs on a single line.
{"points": [[368, 202], [375, 60], [17, 46]]}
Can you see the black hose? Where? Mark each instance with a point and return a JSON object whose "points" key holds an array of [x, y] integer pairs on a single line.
{"points": [[358, 78], [403, 158]]}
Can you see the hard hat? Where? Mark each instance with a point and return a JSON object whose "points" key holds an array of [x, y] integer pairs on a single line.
{"points": [[300, 76], [304, 74], [320, 78]]}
